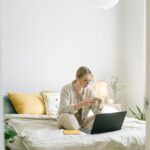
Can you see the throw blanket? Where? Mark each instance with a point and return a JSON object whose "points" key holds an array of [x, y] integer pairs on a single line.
{"points": [[43, 134]]}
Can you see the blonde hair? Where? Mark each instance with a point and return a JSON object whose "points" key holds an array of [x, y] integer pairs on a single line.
{"points": [[81, 71]]}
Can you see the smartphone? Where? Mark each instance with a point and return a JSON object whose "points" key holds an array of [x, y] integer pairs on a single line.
{"points": [[97, 99]]}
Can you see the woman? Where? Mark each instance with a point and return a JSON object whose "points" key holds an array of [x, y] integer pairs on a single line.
{"points": [[76, 100]]}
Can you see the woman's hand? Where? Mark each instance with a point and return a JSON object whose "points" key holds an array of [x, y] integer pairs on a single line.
{"points": [[98, 102], [86, 102]]}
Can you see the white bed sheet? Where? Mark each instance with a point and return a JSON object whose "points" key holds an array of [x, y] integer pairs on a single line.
{"points": [[37, 134]]}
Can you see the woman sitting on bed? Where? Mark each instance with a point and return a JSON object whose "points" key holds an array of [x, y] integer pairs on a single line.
{"points": [[76, 100]]}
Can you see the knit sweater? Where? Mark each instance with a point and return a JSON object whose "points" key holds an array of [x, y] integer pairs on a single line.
{"points": [[68, 99]]}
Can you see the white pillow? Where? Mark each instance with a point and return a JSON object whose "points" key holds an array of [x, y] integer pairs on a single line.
{"points": [[52, 101], [109, 109]]}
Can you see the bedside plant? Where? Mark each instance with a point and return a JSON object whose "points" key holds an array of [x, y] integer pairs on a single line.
{"points": [[116, 86], [9, 135], [138, 113]]}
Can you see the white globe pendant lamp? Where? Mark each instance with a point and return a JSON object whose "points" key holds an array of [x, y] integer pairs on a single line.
{"points": [[103, 4]]}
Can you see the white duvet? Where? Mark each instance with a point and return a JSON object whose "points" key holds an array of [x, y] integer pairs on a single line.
{"points": [[43, 134]]}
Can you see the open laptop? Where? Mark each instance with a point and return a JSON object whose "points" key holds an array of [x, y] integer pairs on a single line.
{"points": [[106, 122]]}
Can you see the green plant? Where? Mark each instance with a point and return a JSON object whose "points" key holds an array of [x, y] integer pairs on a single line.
{"points": [[139, 114], [9, 135], [116, 86]]}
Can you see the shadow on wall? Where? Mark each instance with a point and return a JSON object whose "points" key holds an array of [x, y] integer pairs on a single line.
{"points": [[8, 107]]}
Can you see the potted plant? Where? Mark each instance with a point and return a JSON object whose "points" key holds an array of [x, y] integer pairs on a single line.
{"points": [[138, 113]]}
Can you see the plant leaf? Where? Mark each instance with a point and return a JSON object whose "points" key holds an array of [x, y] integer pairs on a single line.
{"points": [[138, 109], [10, 134], [137, 117], [142, 116], [132, 111]]}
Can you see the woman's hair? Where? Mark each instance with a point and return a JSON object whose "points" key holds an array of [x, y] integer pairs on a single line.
{"points": [[81, 71]]}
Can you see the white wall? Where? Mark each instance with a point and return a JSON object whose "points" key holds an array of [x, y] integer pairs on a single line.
{"points": [[132, 51], [44, 42]]}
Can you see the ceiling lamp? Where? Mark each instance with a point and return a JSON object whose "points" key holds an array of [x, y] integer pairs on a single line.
{"points": [[103, 4]]}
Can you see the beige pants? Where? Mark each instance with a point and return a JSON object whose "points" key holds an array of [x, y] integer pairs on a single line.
{"points": [[69, 121]]}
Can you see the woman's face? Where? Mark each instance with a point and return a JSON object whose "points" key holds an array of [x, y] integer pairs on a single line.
{"points": [[86, 80]]}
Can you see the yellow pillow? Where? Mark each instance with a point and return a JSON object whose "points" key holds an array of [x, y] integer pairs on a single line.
{"points": [[27, 103]]}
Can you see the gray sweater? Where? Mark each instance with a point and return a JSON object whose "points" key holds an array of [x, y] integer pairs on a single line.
{"points": [[68, 100]]}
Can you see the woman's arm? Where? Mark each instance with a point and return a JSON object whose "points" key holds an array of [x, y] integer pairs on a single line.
{"points": [[65, 103], [86, 102], [67, 107]]}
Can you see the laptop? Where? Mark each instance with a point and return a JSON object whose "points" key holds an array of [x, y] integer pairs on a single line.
{"points": [[106, 122]]}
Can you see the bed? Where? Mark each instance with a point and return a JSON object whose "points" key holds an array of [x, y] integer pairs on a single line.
{"points": [[40, 132]]}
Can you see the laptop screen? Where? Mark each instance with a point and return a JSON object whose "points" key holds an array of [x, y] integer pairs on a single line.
{"points": [[107, 122]]}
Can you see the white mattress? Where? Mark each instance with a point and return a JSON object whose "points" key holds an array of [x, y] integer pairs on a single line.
{"points": [[43, 134]]}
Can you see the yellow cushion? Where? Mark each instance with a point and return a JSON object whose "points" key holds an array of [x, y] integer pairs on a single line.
{"points": [[27, 103]]}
